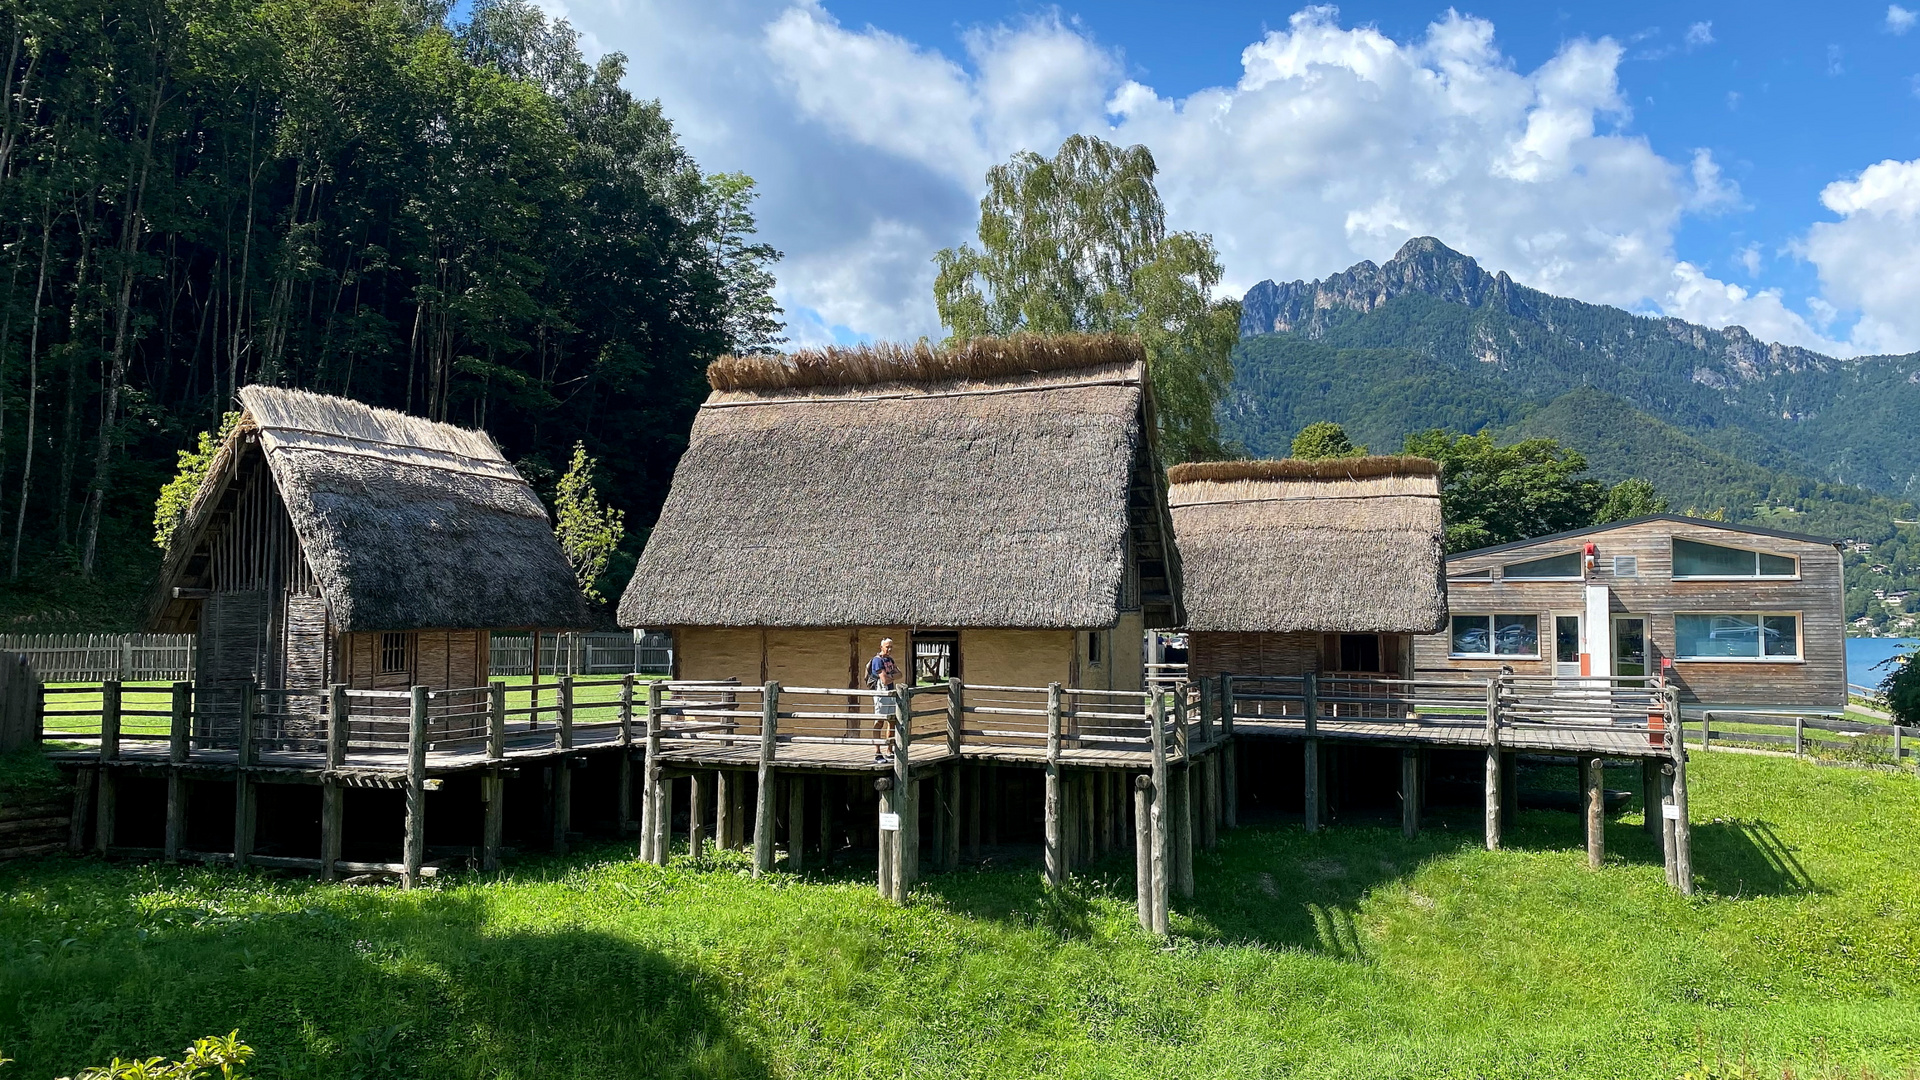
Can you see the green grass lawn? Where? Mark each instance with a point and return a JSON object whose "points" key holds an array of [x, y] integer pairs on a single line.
{"points": [[1349, 954]]}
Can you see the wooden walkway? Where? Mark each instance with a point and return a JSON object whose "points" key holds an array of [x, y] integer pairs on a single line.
{"points": [[1160, 766]]}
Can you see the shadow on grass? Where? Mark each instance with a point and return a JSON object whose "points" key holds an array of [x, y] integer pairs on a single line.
{"points": [[351, 983], [1747, 858]]}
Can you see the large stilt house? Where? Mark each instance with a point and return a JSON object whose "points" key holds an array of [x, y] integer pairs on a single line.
{"points": [[336, 542], [995, 508], [1293, 566]]}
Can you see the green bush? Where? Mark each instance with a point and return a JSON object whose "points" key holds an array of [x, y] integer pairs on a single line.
{"points": [[1901, 688], [226, 1054]]}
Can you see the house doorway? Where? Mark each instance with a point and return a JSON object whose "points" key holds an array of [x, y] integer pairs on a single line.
{"points": [[1566, 645], [1630, 646]]}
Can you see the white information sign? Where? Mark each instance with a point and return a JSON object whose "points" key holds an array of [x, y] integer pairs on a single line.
{"points": [[890, 822], [1670, 811]]}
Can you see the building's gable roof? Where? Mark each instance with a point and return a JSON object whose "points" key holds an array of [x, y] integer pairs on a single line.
{"points": [[405, 523], [1349, 545], [1676, 519], [986, 486]]}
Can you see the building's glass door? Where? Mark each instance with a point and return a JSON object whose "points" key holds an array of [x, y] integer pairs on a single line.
{"points": [[1629, 645], [1566, 645]]}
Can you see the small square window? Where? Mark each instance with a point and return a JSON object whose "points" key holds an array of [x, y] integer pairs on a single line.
{"points": [[1626, 566], [395, 656]]}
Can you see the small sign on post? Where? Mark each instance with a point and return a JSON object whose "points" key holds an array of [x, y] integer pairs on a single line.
{"points": [[889, 822]]}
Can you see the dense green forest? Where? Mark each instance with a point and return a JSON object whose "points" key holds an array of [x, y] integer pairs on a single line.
{"points": [[465, 221]]}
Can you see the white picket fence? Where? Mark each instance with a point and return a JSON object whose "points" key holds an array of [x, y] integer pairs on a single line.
{"points": [[617, 653], [93, 657]]}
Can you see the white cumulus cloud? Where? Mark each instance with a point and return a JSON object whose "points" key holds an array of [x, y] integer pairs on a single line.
{"points": [[1337, 143], [1699, 34], [1867, 259], [1899, 19]]}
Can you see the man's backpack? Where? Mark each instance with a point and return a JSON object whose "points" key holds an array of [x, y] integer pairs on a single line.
{"points": [[873, 673]]}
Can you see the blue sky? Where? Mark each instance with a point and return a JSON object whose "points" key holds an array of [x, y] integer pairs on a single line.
{"points": [[1722, 163]]}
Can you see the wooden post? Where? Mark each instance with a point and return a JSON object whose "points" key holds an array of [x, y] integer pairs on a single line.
{"points": [[951, 794], [1158, 813], [1205, 709], [1650, 795], [1493, 766], [796, 823], [1310, 753], [1109, 820], [565, 694], [416, 833], [623, 814], [826, 821], [562, 803], [1682, 827], [699, 806], [1210, 804], [1669, 844], [83, 779], [886, 841], [906, 792], [1596, 813], [1409, 793], [1706, 729], [722, 808], [1799, 736], [179, 749], [332, 806], [493, 785], [736, 812], [243, 794], [1896, 744], [1056, 857], [104, 813], [956, 715], [976, 796], [652, 801], [1229, 760], [1143, 849], [1181, 796], [763, 803]]}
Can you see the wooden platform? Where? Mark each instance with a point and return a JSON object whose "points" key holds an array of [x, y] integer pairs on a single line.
{"points": [[1603, 740]]}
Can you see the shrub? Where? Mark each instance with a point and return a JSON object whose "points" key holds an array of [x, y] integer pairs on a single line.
{"points": [[227, 1054]]}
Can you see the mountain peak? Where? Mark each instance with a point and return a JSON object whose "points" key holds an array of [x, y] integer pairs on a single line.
{"points": [[1422, 265]]}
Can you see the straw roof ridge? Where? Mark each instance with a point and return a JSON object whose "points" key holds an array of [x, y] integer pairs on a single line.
{"points": [[1268, 550], [1353, 468], [892, 362]]}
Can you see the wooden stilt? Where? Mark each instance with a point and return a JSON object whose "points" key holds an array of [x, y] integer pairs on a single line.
{"points": [[990, 811], [976, 792], [764, 805], [493, 825], [723, 785], [1056, 856], [83, 779], [1143, 849], [562, 804], [179, 749], [888, 848], [624, 789], [1311, 797], [951, 792], [1182, 780], [656, 798], [1109, 801], [1229, 759], [105, 813], [1493, 767], [1409, 793], [699, 803], [332, 795], [737, 812], [1596, 813], [1669, 842], [1682, 826], [826, 821], [244, 808], [796, 823], [1159, 814], [1210, 808], [1650, 795], [414, 854]]}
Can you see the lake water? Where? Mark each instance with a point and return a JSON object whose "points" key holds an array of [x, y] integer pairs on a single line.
{"points": [[1864, 652]]}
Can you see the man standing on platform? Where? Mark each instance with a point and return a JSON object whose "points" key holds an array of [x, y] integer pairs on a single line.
{"points": [[883, 674]]}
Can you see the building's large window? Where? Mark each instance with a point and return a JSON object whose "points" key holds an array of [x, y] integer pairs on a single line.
{"points": [[1359, 652], [1693, 559], [1736, 636], [936, 657], [1495, 635], [1554, 568]]}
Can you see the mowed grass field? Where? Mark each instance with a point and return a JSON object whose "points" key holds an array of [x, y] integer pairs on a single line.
{"points": [[1353, 953]]}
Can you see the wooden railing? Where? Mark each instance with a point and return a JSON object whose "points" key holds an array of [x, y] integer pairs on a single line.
{"points": [[1505, 700], [1851, 739]]}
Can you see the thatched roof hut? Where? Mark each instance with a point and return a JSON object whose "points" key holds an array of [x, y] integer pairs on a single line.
{"points": [[1346, 546], [325, 516], [999, 484], [1343, 545]]}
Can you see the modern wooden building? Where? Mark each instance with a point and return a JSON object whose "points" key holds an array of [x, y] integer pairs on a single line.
{"points": [[336, 542], [1296, 566], [996, 508], [1735, 616]]}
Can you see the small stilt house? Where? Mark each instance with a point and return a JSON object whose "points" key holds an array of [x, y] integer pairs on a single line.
{"points": [[996, 508], [335, 542], [1294, 566]]}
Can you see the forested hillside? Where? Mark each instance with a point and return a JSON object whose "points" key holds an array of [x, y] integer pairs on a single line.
{"points": [[1431, 341], [468, 223]]}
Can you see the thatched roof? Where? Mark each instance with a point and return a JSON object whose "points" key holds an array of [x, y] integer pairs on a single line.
{"points": [[1348, 545], [405, 523], [989, 486]]}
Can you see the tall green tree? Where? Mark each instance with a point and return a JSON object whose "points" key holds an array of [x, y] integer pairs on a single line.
{"points": [[1324, 439], [588, 529], [1630, 498], [467, 221], [1079, 242], [1492, 494]]}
